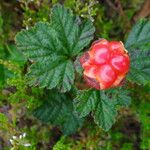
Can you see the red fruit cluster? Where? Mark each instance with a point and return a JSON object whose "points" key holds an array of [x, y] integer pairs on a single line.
{"points": [[105, 64]]}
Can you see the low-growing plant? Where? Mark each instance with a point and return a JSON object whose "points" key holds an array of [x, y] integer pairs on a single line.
{"points": [[67, 72], [53, 46]]}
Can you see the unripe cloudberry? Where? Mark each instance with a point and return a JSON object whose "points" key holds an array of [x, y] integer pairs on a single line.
{"points": [[105, 64]]}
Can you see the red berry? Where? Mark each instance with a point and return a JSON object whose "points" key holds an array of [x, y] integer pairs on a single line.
{"points": [[116, 47], [106, 76], [100, 54], [90, 71], [105, 64], [120, 63]]}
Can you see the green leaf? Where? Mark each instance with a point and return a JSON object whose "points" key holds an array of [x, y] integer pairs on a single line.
{"points": [[139, 69], [51, 47], [105, 112], [57, 109], [139, 37], [75, 35], [138, 44], [85, 102], [15, 56], [102, 104], [121, 96], [6, 59], [62, 145], [3, 122]]}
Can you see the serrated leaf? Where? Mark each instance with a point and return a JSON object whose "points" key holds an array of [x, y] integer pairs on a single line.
{"points": [[120, 96], [139, 37], [105, 112], [57, 109], [138, 44], [102, 104], [51, 47], [140, 67], [85, 102], [74, 34]]}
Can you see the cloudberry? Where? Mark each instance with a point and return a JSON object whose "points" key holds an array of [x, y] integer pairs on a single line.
{"points": [[105, 64]]}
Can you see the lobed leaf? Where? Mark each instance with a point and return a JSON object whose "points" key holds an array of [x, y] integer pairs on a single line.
{"points": [[85, 102], [105, 112], [73, 34], [102, 104], [139, 37], [57, 109], [138, 44], [121, 97], [140, 67], [51, 46]]}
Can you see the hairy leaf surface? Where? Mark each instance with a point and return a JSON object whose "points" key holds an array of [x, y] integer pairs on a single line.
{"points": [[102, 104], [140, 67], [85, 102], [139, 37], [105, 112], [57, 109], [138, 45], [51, 46]]}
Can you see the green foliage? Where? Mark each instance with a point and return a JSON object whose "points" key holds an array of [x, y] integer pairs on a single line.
{"points": [[139, 37], [139, 71], [3, 121], [10, 59], [85, 102], [57, 109], [34, 11], [4, 74], [143, 115], [29, 99], [103, 24], [51, 47], [105, 112], [138, 44], [127, 146], [1, 23], [15, 56], [121, 96], [83, 8], [102, 104], [60, 145]]}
